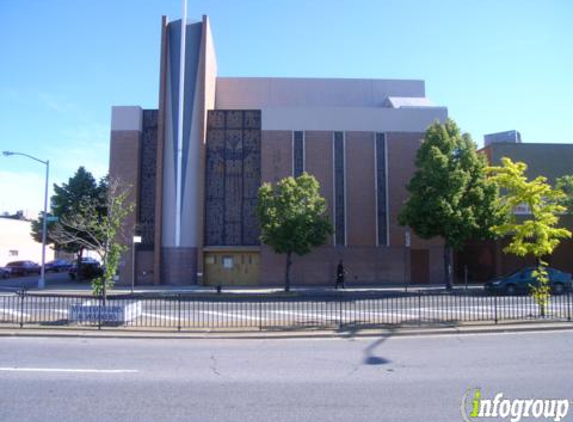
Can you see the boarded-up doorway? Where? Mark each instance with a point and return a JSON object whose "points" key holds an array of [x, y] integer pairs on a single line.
{"points": [[420, 266], [232, 268]]}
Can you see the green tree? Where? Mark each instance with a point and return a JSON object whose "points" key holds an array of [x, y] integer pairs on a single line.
{"points": [[565, 185], [293, 218], [99, 231], [537, 235], [37, 226], [449, 195], [67, 201]]}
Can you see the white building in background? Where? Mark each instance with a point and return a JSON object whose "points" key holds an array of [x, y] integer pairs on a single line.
{"points": [[17, 244]]}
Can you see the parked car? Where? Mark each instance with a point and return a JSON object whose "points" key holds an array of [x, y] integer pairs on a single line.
{"points": [[5, 272], [23, 267], [519, 282], [90, 268], [58, 265]]}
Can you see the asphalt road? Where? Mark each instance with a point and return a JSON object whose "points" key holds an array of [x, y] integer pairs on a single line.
{"points": [[31, 281], [385, 379]]}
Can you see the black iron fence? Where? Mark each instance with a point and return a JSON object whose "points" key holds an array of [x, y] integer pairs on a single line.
{"points": [[188, 312]]}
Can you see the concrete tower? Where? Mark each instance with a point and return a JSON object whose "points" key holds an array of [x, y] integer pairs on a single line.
{"points": [[181, 171]]}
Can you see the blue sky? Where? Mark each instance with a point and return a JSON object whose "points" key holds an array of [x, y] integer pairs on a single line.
{"points": [[496, 64]]}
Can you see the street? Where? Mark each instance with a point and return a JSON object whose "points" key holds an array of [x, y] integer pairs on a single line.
{"points": [[31, 281], [353, 379]]}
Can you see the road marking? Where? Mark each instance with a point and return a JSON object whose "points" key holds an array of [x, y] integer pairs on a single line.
{"points": [[330, 317], [168, 318], [358, 312], [94, 371], [230, 315], [15, 313]]}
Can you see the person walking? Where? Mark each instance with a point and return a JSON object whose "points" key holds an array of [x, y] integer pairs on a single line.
{"points": [[340, 276]]}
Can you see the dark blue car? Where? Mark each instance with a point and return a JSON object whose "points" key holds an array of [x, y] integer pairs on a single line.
{"points": [[519, 282], [58, 265]]}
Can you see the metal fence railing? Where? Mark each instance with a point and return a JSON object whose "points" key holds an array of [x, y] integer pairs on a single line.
{"points": [[187, 312]]}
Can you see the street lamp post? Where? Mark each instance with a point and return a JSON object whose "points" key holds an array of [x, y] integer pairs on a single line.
{"points": [[41, 281], [407, 269]]}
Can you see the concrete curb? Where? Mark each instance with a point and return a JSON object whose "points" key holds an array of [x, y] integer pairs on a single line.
{"points": [[301, 334]]}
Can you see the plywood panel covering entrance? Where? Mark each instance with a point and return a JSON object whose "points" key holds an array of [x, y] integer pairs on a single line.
{"points": [[232, 268]]}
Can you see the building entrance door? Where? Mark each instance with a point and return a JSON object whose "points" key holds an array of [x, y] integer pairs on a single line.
{"points": [[232, 268]]}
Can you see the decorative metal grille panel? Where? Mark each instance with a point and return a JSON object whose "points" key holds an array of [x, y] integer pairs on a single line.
{"points": [[339, 190], [148, 179], [381, 194], [298, 153], [233, 177]]}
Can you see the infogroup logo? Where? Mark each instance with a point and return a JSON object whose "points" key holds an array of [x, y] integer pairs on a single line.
{"points": [[474, 407]]}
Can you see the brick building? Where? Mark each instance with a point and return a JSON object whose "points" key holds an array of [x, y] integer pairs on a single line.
{"points": [[485, 260], [196, 171]]}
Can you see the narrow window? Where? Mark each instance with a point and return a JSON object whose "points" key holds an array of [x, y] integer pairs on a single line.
{"points": [[381, 191], [339, 190], [298, 153]]}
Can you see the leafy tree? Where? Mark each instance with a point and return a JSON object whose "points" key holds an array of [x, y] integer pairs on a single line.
{"points": [[97, 231], [537, 235], [565, 185], [293, 218], [66, 202], [450, 196], [37, 226]]}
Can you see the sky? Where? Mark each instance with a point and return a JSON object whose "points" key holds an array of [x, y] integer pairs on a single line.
{"points": [[496, 64]]}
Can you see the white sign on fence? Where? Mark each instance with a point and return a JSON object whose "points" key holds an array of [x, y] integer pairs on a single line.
{"points": [[90, 312]]}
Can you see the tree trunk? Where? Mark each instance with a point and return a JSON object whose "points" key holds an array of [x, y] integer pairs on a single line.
{"points": [[447, 267], [287, 275], [79, 265], [541, 305]]}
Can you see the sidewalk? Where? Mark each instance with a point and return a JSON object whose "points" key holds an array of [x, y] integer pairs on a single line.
{"points": [[245, 334], [85, 289]]}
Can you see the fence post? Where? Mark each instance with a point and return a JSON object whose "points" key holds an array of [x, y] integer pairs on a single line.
{"points": [[569, 306], [495, 308], [260, 314], [419, 307], [99, 305], [340, 313], [178, 311], [22, 298]]}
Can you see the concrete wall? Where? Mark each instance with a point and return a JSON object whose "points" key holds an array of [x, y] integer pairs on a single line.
{"points": [[161, 117], [181, 234], [486, 260], [124, 166], [276, 155], [16, 243], [366, 262], [183, 163], [549, 160], [247, 93], [401, 150], [351, 118], [360, 189], [207, 88], [319, 163], [328, 104]]}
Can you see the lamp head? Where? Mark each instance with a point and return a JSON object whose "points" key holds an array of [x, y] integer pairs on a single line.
{"points": [[7, 153]]}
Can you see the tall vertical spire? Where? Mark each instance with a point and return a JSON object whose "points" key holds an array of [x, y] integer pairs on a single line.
{"points": [[180, 116]]}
